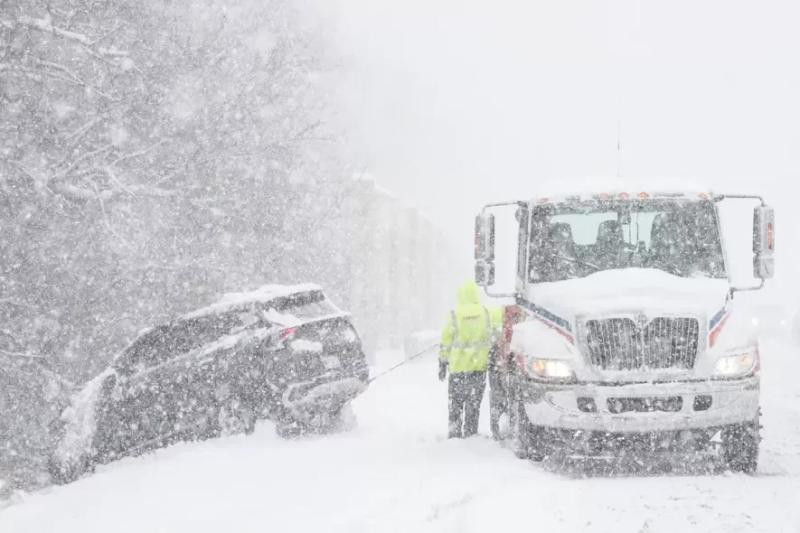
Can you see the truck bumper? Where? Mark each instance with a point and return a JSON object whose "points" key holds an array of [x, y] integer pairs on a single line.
{"points": [[645, 407]]}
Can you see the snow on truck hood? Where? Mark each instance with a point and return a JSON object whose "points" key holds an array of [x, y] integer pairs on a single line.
{"points": [[648, 291]]}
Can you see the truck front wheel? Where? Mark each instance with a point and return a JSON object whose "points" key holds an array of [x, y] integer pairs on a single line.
{"points": [[740, 446], [529, 441]]}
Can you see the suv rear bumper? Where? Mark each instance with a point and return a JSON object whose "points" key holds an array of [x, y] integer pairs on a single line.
{"points": [[310, 396], [557, 406]]}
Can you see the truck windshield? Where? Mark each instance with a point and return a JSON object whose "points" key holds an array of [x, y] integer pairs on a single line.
{"points": [[574, 239]]}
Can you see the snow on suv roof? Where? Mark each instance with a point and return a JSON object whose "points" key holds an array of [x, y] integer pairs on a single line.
{"points": [[263, 294]]}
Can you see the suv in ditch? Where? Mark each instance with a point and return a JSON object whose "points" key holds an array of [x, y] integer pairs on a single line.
{"points": [[627, 340], [282, 353]]}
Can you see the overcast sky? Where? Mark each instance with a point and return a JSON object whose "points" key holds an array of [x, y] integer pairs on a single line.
{"points": [[457, 103]]}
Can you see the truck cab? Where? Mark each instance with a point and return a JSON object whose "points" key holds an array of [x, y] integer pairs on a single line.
{"points": [[628, 339]]}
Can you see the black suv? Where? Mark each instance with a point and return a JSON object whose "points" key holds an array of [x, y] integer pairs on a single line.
{"points": [[282, 353]]}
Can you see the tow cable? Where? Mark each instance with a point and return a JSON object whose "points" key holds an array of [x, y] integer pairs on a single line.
{"points": [[401, 363]]}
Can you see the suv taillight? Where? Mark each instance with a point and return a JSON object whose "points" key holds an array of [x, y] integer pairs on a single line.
{"points": [[286, 334]]}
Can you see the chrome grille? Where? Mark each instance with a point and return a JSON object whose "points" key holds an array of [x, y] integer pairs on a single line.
{"points": [[622, 344]]}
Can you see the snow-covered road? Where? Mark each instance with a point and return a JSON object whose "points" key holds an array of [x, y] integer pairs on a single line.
{"points": [[397, 472]]}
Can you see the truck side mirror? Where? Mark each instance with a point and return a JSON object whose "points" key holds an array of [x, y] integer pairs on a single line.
{"points": [[484, 238], [763, 242], [484, 250], [484, 273]]}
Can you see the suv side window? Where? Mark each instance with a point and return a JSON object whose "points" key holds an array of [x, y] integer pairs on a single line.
{"points": [[143, 352], [304, 305], [182, 336]]}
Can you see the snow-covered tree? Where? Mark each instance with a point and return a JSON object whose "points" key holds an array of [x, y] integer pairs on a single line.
{"points": [[151, 154]]}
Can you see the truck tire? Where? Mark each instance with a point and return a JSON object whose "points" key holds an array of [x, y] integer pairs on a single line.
{"points": [[740, 444], [529, 439]]}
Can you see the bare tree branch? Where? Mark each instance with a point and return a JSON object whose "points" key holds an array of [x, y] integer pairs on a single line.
{"points": [[46, 26], [14, 303], [140, 153]]}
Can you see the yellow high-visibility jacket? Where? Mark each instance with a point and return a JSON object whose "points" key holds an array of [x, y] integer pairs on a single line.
{"points": [[470, 331]]}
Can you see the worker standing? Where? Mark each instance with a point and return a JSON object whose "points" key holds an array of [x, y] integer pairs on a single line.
{"points": [[467, 339], [500, 368]]}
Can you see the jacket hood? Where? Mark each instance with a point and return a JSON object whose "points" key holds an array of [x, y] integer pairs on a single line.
{"points": [[469, 293]]}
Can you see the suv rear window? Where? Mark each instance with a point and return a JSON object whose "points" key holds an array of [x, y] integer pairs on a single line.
{"points": [[305, 305]]}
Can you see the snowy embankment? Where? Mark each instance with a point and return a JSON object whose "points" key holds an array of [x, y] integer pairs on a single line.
{"points": [[396, 472]]}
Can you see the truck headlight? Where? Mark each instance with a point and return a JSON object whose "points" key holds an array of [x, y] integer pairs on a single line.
{"points": [[552, 369], [736, 365]]}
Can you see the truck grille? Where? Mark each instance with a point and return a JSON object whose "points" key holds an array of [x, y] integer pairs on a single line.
{"points": [[622, 344], [669, 404]]}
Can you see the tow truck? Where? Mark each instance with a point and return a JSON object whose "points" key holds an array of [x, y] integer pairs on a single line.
{"points": [[623, 337]]}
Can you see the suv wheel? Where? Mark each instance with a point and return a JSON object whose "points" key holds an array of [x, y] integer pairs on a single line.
{"points": [[740, 444], [236, 417], [62, 472]]}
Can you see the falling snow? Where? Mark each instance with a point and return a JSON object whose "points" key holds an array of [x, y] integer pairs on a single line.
{"points": [[231, 233]]}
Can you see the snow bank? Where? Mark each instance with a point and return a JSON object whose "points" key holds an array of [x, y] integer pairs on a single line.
{"points": [[397, 472], [80, 421]]}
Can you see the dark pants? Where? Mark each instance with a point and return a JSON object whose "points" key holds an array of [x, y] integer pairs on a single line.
{"points": [[498, 400], [499, 389], [465, 392]]}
